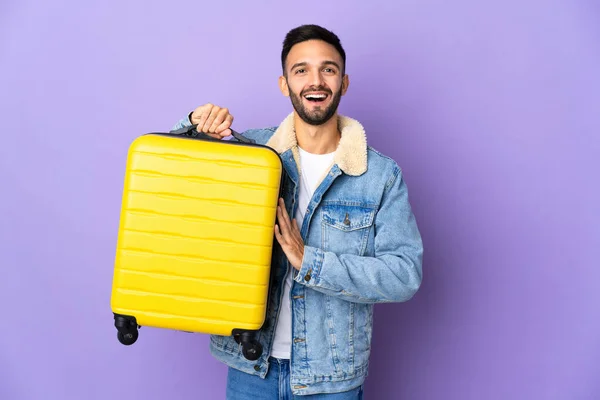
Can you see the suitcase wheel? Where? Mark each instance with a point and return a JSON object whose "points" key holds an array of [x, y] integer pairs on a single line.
{"points": [[252, 350], [127, 338], [127, 329]]}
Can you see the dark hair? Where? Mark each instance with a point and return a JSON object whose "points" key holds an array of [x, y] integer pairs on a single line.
{"points": [[310, 32]]}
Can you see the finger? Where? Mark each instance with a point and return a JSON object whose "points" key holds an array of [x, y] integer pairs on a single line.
{"points": [[285, 214], [212, 135], [223, 128], [219, 119], [295, 226], [225, 133], [204, 112], [211, 118], [196, 114], [283, 220], [279, 236], [296, 236]]}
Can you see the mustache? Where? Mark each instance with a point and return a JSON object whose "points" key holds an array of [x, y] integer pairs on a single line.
{"points": [[316, 89]]}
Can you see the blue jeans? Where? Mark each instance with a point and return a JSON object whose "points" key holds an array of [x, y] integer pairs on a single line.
{"points": [[276, 386]]}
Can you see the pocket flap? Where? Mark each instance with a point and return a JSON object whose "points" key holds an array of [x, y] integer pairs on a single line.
{"points": [[348, 217]]}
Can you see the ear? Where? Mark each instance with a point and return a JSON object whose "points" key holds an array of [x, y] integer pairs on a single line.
{"points": [[283, 86], [345, 84]]}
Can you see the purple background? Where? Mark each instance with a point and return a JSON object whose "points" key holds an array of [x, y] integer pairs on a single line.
{"points": [[492, 108]]}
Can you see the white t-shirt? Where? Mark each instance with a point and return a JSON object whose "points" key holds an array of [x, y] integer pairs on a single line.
{"points": [[313, 167]]}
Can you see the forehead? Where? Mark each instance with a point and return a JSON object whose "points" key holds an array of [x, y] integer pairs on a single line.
{"points": [[313, 52]]}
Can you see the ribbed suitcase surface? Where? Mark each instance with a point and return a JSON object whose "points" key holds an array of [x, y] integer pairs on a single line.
{"points": [[196, 234]]}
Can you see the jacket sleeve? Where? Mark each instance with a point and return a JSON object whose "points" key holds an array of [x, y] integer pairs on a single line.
{"points": [[182, 123], [393, 274]]}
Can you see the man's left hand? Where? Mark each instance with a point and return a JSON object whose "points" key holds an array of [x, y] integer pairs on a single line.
{"points": [[288, 236]]}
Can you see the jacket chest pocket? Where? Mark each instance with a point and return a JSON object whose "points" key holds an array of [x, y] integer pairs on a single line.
{"points": [[346, 228]]}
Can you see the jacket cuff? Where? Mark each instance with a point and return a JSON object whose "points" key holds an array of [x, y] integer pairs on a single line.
{"points": [[310, 270], [182, 123]]}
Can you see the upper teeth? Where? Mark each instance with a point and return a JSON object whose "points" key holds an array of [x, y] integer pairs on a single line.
{"points": [[315, 96]]}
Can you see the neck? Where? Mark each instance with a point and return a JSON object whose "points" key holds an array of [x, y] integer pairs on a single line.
{"points": [[321, 139]]}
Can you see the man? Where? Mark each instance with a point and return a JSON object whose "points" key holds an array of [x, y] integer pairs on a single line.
{"points": [[352, 241]]}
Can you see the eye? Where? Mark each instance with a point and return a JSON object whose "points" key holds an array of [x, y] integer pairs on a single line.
{"points": [[300, 71]]}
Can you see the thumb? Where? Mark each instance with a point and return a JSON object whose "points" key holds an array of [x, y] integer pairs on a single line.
{"points": [[200, 114], [225, 133]]}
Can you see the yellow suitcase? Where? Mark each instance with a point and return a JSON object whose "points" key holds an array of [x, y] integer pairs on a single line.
{"points": [[195, 236]]}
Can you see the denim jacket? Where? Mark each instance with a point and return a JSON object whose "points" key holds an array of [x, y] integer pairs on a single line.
{"points": [[362, 247]]}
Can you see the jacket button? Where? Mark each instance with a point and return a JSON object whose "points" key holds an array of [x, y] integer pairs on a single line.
{"points": [[347, 220], [257, 367], [307, 276]]}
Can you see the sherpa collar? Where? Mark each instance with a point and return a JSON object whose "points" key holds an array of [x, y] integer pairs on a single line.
{"points": [[351, 154]]}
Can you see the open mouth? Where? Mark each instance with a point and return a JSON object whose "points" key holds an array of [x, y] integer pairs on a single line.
{"points": [[316, 97]]}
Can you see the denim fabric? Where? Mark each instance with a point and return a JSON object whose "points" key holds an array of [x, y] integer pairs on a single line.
{"points": [[276, 386], [362, 247]]}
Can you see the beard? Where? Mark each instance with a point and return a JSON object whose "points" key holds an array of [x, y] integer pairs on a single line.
{"points": [[319, 115]]}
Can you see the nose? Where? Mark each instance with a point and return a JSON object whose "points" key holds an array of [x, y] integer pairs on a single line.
{"points": [[316, 78]]}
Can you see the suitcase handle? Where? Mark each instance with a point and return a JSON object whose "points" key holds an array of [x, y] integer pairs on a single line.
{"points": [[191, 131]]}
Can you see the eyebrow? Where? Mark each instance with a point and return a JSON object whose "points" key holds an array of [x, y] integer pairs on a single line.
{"points": [[304, 64]]}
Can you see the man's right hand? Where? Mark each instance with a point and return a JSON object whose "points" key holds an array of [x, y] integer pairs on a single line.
{"points": [[212, 120]]}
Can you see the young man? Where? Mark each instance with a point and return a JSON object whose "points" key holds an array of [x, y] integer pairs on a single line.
{"points": [[346, 233]]}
